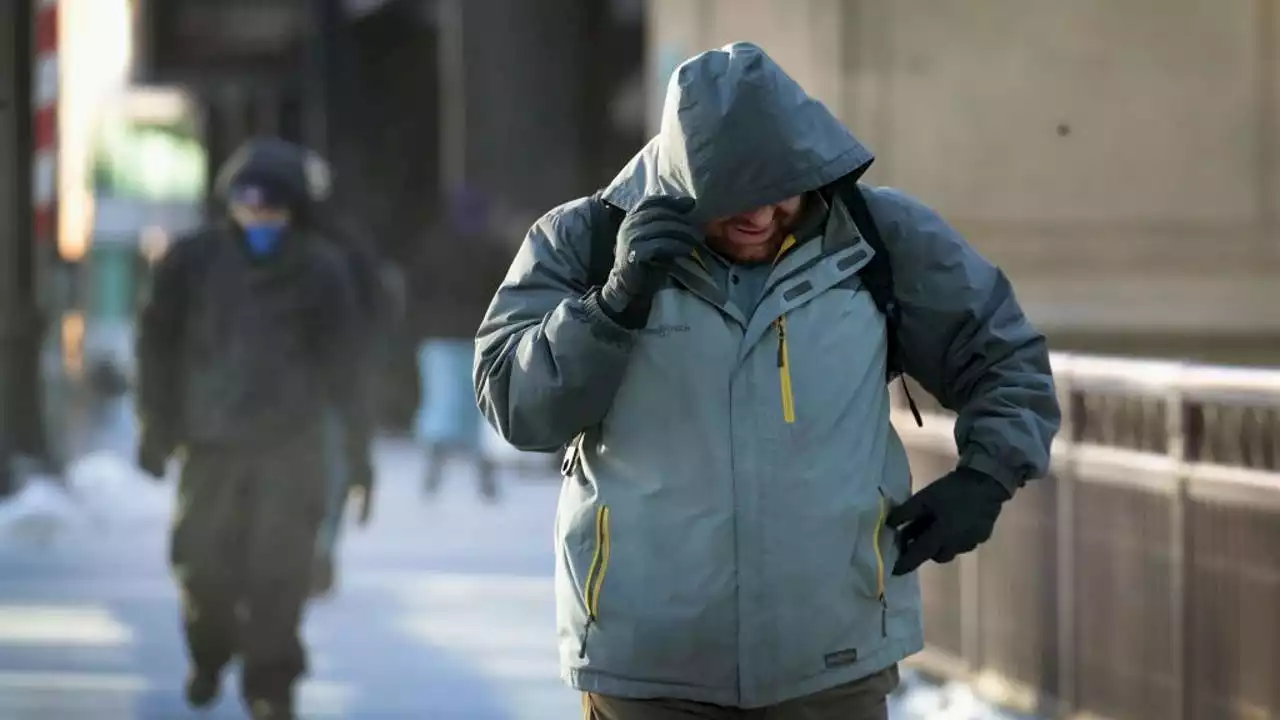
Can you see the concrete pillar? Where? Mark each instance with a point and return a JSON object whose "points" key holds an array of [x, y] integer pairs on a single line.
{"points": [[235, 112], [333, 89], [20, 410], [316, 63], [14, 159], [512, 102]]}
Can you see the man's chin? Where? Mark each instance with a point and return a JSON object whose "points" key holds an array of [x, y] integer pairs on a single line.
{"points": [[759, 251], [753, 255]]}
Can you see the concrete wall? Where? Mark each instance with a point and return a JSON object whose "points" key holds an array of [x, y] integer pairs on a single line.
{"points": [[1121, 159]]}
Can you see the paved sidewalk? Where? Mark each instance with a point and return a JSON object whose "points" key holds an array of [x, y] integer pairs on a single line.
{"points": [[444, 610]]}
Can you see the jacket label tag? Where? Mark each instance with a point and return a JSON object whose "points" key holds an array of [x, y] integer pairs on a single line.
{"points": [[841, 658]]}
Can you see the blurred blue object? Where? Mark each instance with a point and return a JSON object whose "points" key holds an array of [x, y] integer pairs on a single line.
{"points": [[448, 414]]}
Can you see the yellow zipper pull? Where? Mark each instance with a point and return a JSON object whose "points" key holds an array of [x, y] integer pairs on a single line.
{"points": [[784, 372], [784, 362], [782, 342]]}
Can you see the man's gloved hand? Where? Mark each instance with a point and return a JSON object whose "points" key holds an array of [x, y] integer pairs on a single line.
{"points": [[153, 456], [655, 234], [952, 516]]}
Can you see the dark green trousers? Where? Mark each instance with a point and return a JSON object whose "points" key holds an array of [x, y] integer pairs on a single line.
{"points": [[864, 699], [242, 548]]}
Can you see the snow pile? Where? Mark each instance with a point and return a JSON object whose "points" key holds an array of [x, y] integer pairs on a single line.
{"points": [[38, 515], [918, 698], [102, 493], [113, 493]]}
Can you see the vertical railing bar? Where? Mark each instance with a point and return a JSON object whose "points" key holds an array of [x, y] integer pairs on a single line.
{"points": [[1176, 415], [1065, 551], [970, 574], [971, 611]]}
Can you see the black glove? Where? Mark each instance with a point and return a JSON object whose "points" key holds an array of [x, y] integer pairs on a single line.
{"points": [[952, 516], [153, 456], [655, 234]]}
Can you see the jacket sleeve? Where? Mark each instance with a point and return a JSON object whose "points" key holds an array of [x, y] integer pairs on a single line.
{"points": [[966, 340], [548, 360], [341, 349], [159, 347]]}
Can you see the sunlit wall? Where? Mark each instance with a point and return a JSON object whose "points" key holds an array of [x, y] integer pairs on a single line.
{"points": [[95, 41]]}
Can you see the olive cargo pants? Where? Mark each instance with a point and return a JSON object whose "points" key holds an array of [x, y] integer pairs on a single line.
{"points": [[864, 699], [242, 549]]}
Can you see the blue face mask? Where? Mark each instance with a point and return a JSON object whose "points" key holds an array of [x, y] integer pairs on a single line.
{"points": [[263, 238]]}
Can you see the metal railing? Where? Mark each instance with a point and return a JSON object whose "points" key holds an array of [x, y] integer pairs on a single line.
{"points": [[1141, 580]]}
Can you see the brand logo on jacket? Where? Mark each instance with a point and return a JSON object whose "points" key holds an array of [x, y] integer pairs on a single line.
{"points": [[665, 330]]}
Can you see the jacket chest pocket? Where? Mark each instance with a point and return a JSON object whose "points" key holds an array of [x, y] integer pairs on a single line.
{"points": [[824, 356], [814, 326]]}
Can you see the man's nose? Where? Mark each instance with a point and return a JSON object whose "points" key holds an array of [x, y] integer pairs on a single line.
{"points": [[760, 216]]}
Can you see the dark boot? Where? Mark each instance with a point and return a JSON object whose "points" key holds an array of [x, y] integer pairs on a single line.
{"points": [[268, 692], [203, 687], [280, 708]]}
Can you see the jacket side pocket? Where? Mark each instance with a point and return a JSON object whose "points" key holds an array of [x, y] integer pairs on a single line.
{"points": [[596, 574]]}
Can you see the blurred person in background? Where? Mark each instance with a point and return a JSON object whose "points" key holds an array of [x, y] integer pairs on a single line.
{"points": [[379, 294], [713, 335], [458, 272], [249, 337]]}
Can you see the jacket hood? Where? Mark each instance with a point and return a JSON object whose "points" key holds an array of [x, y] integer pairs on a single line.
{"points": [[286, 170], [737, 132]]}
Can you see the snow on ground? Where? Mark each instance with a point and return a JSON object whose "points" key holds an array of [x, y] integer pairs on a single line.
{"points": [[38, 516], [101, 493]]}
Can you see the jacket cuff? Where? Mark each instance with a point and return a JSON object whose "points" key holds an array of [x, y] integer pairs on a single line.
{"points": [[982, 463], [603, 326]]}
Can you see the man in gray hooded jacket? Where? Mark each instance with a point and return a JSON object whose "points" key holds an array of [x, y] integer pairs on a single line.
{"points": [[736, 535]]}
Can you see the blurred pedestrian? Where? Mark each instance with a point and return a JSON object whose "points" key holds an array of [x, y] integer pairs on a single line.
{"points": [[460, 267], [249, 336], [713, 335], [379, 298]]}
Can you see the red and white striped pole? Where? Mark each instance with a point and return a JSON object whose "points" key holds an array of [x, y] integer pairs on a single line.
{"points": [[44, 102]]}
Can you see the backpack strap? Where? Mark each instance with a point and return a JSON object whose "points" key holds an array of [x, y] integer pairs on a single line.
{"points": [[605, 221], [877, 278], [606, 218]]}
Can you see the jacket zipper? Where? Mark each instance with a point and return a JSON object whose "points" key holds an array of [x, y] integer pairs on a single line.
{"points": [[784, 357], [880, 574], [595, 576], [784, 372]]}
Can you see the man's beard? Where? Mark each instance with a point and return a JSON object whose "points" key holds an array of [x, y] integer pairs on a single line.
{"points": [[755, 254]]}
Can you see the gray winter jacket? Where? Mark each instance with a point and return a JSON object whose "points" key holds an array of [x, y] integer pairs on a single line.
{"points": [[722, 537]]}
